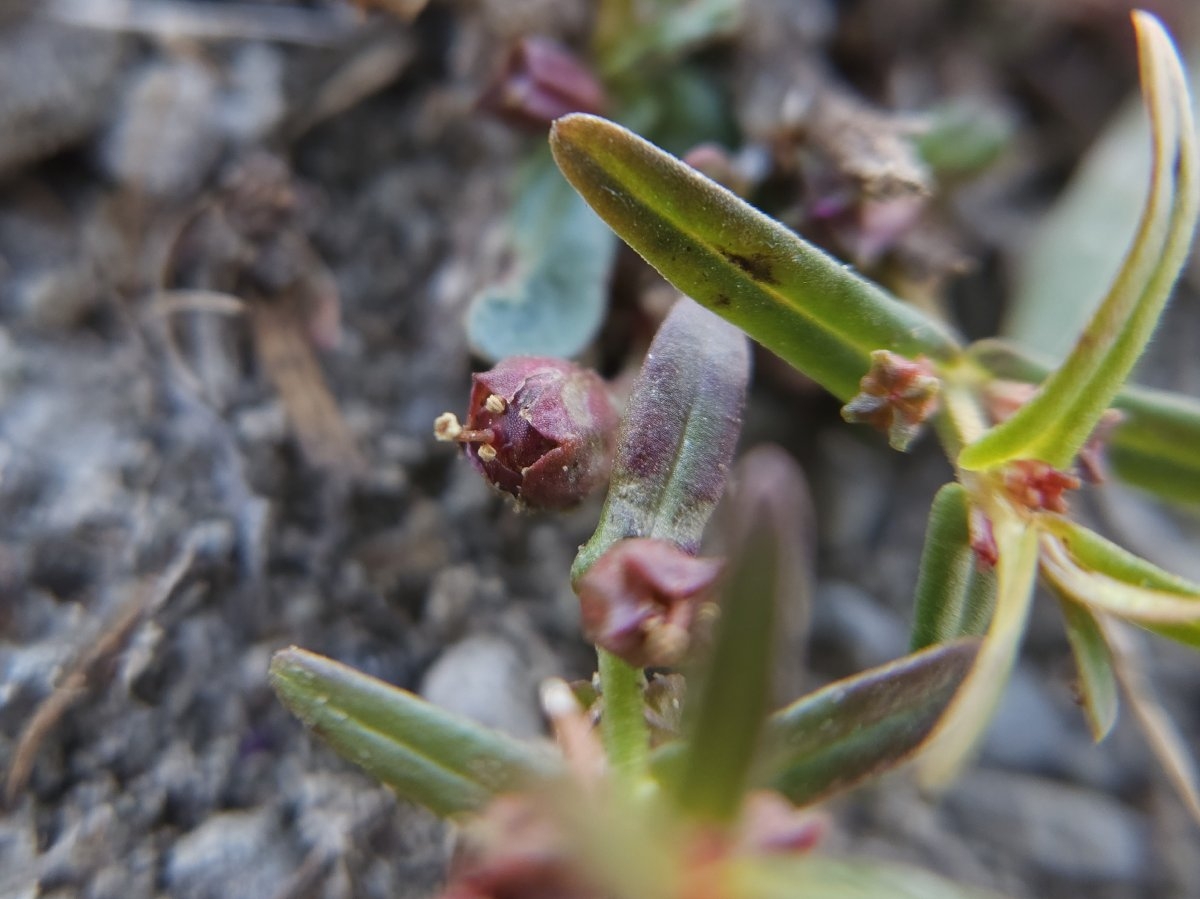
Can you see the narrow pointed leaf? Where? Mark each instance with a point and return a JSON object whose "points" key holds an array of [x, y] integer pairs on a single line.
{"points": [[1094, 663], [1117, 595], [679, 434], [1092, 552], [955, 592], [781, 290], [446, 763], [1058, 420], [825, 877], [731, 704], [971, 709], [861, 726], [852, 729], [1157, 445], [1187, 634]]}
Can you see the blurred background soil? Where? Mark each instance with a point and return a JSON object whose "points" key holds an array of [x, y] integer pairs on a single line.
{"points": [[237, 242]]}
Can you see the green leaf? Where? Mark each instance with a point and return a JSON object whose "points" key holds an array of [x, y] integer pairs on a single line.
{"points": [[861, 726], [446, 763], [971, 709], [1058, 420], [852, 729], [1156, 446], [1094, 662], [1153, 447], [724, 720], [825, 877], [1100, 572], [955, 593], [781, 290], [554, 297], [678, 437], [1091, 551], [1110, 579]]}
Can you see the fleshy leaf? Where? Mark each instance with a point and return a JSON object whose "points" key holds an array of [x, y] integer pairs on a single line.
{"points": [[781, 290], [955, 589], [733, 694], [1094, 663], [1115, 588], [553, 300], [679, 434], [823, 877], [1156, 446], [863, 725], [1104, 559], [852, 729], [1058, 420], [1094, 552], [972, 707], [1153, 446], [446, 763]]}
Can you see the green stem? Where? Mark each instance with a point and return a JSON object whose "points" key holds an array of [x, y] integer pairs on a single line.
{"points": [[623, 726]]}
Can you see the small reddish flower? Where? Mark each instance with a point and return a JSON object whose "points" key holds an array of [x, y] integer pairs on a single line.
{"points": [[1037, 485], [641, 599], [542, 80], [983, 538], [541, 429], [896, 395]]}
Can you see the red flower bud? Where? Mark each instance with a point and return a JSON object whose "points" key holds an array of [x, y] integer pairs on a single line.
{"points": [[1037, 485], [641, 598], [541, 81], [896, 395], [539, 428]]}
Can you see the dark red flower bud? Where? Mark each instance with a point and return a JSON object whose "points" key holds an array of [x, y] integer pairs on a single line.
{"points": [[541, 81], [640, 600], [539, 428]]}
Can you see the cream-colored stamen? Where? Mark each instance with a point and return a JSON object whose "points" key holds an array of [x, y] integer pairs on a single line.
{"points": [[446, 427], [486, 452], [495, 404]]}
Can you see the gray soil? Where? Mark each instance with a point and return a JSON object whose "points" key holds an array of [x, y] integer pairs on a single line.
{"points": [[174, 507]]}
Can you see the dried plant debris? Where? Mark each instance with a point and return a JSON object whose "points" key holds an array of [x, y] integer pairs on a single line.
{"points": [[144, 599], [249, 243]]}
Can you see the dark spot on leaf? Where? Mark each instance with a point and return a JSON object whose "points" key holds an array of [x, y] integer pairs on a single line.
{"points": [[757, 266], [721, 301]]}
